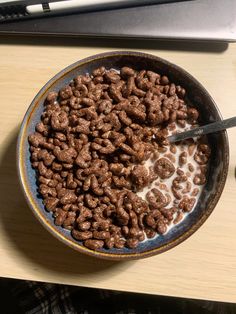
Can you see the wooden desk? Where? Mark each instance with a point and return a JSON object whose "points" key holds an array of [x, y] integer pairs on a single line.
{"points": [[202, 267]]}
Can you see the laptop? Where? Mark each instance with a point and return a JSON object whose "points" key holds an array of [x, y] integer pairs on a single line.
{"points": [[210, 20]]}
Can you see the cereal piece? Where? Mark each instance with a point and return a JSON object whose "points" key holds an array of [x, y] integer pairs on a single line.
{"points": [[163, 186], [161, 227], [59, 120], [199, 179], [155, 155], [202, 154], [156, 198], [150, 221], [186, 204], [191, 148], [119, 243], [181, 122], [132, 243], [84, 226], [195, 192], [182, 159], [150, 233], [101, 235], [94, 244], [105, 106], [36, 139], [168, 213], [188, 187], [170, 157], [122, 216], [99, 71], [139, 176], [173, 149], [52, 96], [178, 218], [164, 80], [60, 217], [180, 172], [109, 243], [191, 167], [164, 168], [90, 200], [177, 194], [51, 203], [65, 155], [192, 115], [66, 92]]}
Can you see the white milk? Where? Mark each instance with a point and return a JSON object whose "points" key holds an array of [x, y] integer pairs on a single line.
{"points": [[168, 182]]}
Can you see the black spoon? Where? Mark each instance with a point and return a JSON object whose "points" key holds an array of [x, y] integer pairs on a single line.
{"points": [[206, 129]]}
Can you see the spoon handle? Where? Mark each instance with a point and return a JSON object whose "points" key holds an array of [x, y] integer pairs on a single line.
{"points": [[206, 129]]}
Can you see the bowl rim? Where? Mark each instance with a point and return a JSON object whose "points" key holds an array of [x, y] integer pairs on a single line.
{"points": [[22, 175]]}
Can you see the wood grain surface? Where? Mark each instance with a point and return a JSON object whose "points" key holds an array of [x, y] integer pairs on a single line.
{"points": [[204, 266]]}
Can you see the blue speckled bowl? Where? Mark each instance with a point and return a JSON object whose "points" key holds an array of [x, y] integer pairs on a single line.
{"points": [[209, 112]]}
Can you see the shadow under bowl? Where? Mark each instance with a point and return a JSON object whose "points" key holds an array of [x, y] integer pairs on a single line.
{"points": [[197, 95]]}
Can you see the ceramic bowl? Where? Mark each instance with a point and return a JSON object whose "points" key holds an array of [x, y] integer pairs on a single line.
{"points": [[209, 112]]}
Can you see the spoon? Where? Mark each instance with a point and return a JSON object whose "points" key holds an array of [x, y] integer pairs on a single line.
{"points": [[206, 129]]}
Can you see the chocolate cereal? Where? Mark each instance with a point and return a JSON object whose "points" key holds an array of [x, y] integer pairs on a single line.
{"points": [[104, 167]]}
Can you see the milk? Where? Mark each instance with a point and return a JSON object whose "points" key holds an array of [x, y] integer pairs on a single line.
{"points": [[168, 181]]}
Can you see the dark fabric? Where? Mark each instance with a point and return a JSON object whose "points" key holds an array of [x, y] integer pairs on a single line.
{"points": [[31, 297]]}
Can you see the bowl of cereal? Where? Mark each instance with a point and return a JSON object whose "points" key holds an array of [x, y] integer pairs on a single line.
{"points": [[95, 163]]}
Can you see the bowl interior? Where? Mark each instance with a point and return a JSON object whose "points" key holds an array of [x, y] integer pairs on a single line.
{"points": [[208, 113]]}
